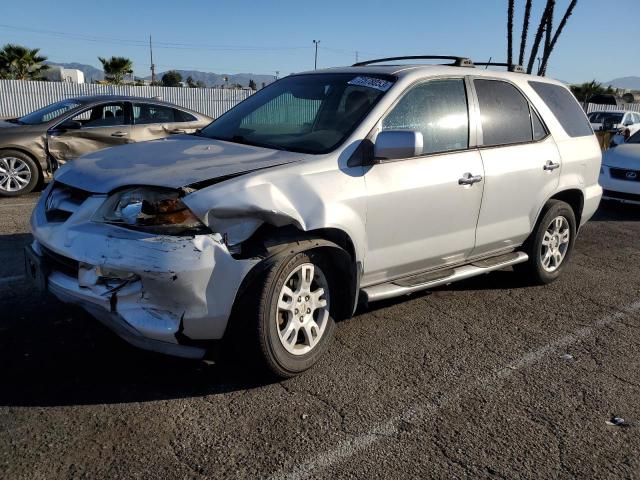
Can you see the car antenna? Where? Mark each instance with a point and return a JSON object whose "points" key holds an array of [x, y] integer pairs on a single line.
{"points": [[487, 65]]}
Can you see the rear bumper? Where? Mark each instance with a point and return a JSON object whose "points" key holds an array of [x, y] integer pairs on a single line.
{"points": [[592, 197]]}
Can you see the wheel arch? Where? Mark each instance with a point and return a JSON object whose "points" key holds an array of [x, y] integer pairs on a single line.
{"points": [[574, 197], [273, 243]]}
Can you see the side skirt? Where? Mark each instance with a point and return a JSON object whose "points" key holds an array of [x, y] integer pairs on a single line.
{"points": [[416, 283]]}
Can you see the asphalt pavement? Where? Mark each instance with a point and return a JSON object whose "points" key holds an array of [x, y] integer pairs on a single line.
{"points": [[486, 378]]}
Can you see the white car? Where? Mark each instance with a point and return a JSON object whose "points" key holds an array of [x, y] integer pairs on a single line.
{"points": [[366, 182], [620, 172], [615, 121]]}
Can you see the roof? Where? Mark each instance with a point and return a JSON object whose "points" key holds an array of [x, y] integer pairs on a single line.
{"points": [[88, 99], [425, 69]]}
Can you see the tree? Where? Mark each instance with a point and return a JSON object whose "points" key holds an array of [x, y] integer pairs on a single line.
{"points": [[116, 68], [21, 63], [252, 85], [201, 84], [585, 91], [171, 79], [545, 28], [563, 22], [525, 31], [190, 82], [510, 9]]}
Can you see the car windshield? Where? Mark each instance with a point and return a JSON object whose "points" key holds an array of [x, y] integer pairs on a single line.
{"points": [[600, 117], [304, 113], [48, 113]]}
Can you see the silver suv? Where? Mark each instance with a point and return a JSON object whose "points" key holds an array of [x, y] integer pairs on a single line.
{"points": [[322, 191]]}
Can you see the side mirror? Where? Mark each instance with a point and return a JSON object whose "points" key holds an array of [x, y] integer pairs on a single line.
{"points": [[395, 144], [628, 123], [70, 125]]}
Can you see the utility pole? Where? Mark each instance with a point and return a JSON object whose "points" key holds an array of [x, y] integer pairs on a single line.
{"points": [[356, 56], [315, 63], [153, 67], [277, 73]]}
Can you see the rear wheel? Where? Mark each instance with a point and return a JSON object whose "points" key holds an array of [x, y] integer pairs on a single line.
{"points": [[292, 311], [551, 243], [19, 174]]}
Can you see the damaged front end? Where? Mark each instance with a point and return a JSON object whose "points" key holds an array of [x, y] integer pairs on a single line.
{"points": [[140, 262]]}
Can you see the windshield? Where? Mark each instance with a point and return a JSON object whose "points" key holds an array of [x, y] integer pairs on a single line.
{"points": [[599, 117], [305, 113], [49, 112]]}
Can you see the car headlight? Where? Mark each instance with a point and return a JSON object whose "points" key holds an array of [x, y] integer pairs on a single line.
{"points": [[152, 210]]}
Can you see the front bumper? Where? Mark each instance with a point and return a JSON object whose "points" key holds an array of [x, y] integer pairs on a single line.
{"points": [[161, 293], [625, 191]]}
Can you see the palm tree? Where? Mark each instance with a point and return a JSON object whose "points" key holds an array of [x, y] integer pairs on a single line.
{"points": [[585, 91], [538, 37], [510, 32], [552, 44], [21, 63], [115, 68], [525, 31]]}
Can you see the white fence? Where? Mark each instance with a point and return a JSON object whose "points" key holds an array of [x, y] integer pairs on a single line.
{"points": [[18, 97], [594, 107]]}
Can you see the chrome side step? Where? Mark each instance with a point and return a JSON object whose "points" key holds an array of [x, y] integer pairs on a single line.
{"points": [[403, 287]]}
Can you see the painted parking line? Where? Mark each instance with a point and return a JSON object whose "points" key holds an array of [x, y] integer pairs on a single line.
{"points": [[15, 278], [348, 448], [18, 204]]}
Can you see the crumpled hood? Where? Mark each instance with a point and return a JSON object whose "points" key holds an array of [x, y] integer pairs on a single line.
{"points": [[172, 162], [626, 155]]}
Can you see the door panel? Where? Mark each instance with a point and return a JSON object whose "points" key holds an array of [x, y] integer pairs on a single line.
{"points": [[515, 157], [516, 187], [102, 126], [418, 215], [152, 121]]}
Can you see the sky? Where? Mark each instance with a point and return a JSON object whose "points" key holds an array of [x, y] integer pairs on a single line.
{"points": [[265, 36]]}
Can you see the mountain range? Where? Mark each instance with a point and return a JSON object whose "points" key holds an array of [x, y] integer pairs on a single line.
{"points": [[631, 83], [210, 79]]}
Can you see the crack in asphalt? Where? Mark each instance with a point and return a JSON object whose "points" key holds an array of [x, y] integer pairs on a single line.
{"points": [[350, 447]]}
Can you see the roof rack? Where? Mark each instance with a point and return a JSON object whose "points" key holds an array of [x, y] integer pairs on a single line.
{"points": [[456, 61], [510, 67]]}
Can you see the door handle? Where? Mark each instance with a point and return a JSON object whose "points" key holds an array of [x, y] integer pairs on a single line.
{"points": [[119, 134], [550, 166], [468, 179]]}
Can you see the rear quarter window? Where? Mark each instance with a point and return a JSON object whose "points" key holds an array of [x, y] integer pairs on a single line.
{"points": [[565, 107]]}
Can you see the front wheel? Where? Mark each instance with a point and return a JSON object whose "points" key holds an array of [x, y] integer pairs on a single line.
{"points": [[292, 308], [550, 244], [19, 174]]}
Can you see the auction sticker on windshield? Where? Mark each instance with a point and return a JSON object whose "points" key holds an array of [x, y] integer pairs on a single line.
{"points": [[372, 82]]}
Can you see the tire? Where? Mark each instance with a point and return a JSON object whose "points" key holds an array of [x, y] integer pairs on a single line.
{"points": [[547, 261], [19, 174], [270, 322]]}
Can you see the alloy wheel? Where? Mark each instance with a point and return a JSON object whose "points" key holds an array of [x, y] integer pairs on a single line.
{"points": [[303, 309], [555, 244], [14, 174]]}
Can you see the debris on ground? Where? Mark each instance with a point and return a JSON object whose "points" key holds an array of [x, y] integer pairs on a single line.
{"points": [[568, 357], [617, 422]]}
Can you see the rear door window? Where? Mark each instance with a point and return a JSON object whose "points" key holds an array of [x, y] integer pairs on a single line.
{"points": [[146, 113], [437, 109], [504, 113], [565, 107]]}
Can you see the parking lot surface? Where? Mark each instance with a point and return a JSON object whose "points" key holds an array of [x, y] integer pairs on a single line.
{"points": [[485, 378]]}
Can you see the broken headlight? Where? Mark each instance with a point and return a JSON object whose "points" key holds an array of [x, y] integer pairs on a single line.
{"points": [[152, 210]]}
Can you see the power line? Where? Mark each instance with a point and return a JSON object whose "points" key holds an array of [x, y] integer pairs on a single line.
{"points": [[143, 43]]}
